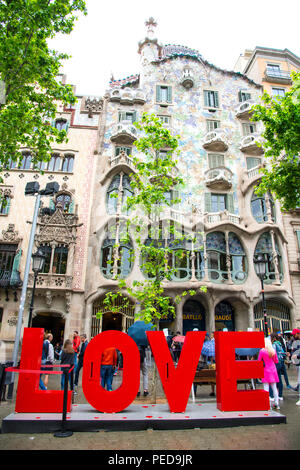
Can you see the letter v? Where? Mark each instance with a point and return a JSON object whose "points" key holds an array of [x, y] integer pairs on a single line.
{"points": [[177, 382]]}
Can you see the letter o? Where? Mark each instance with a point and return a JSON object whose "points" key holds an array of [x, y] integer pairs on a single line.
{"points": [[96, 395]]}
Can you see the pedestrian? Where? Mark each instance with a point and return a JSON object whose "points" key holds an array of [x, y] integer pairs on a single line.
{"points": [[296, 358], [76, 345], [57, 351], [281, 354], [176, 348], [67, 357], [144, 370], [285, 349], [84, 343], [269, 357], [50, 357], [45, 351], [109, 360]]}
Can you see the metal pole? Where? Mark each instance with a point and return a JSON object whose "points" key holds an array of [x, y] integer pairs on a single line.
{"points": [[32, 300], [264, 308], [24, 290]]}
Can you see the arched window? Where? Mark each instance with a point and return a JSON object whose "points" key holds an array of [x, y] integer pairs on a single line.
{"points": [[259, 208], [116, 252], [269, 249], [118, 193], [54, 164], [25, 164], [68, 163], [216, 256], [64, 202], [238, 260], [61, 124], [4, 205]]}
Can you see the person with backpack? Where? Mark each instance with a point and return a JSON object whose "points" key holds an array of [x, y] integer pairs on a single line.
{"points": [[277, 346]]}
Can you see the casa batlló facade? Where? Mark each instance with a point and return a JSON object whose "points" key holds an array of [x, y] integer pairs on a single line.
{"points": [[219, 162]]}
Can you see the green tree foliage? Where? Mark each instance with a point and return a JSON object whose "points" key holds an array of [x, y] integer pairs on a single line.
{"points": [[30, 90], [281, 119]]}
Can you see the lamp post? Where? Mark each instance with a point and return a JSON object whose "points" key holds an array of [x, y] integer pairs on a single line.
{"points": [[260, 269], [38, 261], [31, 189]]}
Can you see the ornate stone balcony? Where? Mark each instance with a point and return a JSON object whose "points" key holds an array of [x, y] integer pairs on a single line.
{"points": [[187, 79], [51, 281], [249, 144], [254, 172], [244, 109], [211, 218], [124, 133], [121, 159], [218, 178], [216, 141], [127, 96]]}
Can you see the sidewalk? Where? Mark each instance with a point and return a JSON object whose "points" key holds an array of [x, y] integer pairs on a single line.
{"points": [[274, 437]]}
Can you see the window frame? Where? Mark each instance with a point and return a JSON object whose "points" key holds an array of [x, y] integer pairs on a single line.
{"points": [[211, 96]]}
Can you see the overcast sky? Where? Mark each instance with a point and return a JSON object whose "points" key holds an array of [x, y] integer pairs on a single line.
{"points": [[106, 40]]}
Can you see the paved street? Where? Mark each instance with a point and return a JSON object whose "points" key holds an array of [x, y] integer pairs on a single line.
{"points": [[268, 437]]}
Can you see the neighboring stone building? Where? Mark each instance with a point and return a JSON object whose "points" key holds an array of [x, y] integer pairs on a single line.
{"points": [[272, 69], [209, 108], [62, 229]]}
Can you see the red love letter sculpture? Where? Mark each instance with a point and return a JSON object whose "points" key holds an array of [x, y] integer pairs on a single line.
{"points": [[228, 371], [96, 395], [177, 383], [29, 398]]}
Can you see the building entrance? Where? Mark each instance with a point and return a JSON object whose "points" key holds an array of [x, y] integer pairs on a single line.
{"points": [[112, 321], [193, 316], [224, 316], [51, 323], [104, 319]]}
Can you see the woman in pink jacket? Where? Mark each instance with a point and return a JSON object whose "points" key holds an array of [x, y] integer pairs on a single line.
{"points": [[269, 358]]}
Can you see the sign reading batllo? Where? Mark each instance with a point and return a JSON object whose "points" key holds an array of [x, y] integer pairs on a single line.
{"points": [[176, 381]]}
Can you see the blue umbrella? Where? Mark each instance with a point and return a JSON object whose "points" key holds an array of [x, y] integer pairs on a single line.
{"points": [[209, 348], [247, 351], [137, 331]]}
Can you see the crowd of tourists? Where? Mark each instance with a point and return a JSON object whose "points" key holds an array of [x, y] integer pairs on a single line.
{"points": [[277, 355]]}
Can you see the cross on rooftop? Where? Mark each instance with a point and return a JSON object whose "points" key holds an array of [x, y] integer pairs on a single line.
{"points": [[151, 24]]}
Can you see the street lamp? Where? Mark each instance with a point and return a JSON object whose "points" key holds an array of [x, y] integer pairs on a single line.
{"points": [[31, 189], [38, 261], [260, 264]]}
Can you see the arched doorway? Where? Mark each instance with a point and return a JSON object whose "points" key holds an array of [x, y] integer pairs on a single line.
{"points": [[224, 316], [112, 321], [193, 316], [52, 323], [105, 318]]}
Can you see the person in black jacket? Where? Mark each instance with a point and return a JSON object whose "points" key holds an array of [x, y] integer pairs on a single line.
{"points": [[84, 343], [67, 357]]}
